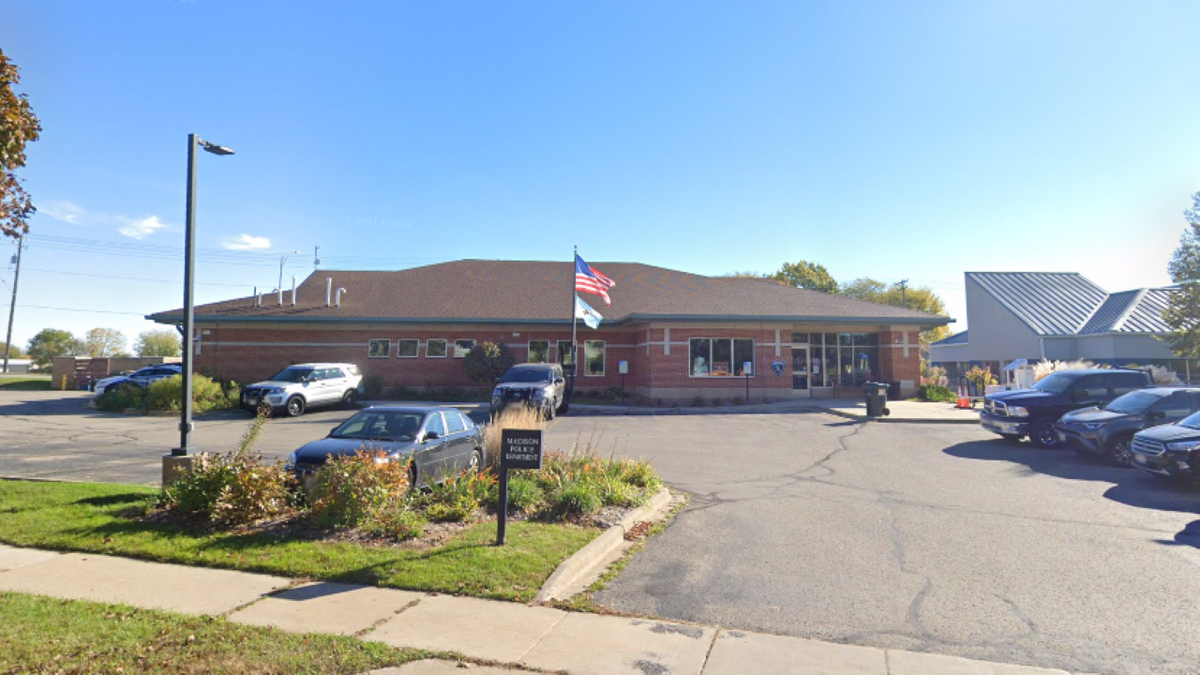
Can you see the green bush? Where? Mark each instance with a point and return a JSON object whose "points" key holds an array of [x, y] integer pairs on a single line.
{"points": [[207, 394], [354, 489], [456, 498], [397, 522], [524, 494], [576, 499], [933, 392], [122, 397]]}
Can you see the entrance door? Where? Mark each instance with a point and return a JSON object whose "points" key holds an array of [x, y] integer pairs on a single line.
{"points": [[799, 368]]}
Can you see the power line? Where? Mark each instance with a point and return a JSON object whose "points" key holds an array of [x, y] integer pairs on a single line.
{"points": [[86, 311], [107, 276]]}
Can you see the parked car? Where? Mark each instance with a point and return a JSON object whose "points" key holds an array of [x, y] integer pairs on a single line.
{"points": [[537, 385], [1033, 412], [440, 440], [1109, 429], [305, 385], [1171, 450], [138, 378]]}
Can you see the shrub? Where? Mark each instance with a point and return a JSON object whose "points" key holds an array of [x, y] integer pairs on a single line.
{"points": [[232, 489], [396, 523], [1044, 368], [524, 493], [456, 498], [981, 377], [116, 399], [372, 386], [934, 392], [933, 375], [353, 489], [576, 499], [488, 361], [698, 402], [207, 394]]}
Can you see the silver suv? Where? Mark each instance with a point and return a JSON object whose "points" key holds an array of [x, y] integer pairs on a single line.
{"points": [[303, 385]]}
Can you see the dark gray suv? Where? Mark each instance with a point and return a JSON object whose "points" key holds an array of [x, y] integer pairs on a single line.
{"points": [[536, 385]]}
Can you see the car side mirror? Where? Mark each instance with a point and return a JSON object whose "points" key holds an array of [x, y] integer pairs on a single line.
{"points": [[430, 436], [559, 380], [1156, 415]]}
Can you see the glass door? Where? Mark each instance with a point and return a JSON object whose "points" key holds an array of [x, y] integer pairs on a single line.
{"points": [[800, 368]]}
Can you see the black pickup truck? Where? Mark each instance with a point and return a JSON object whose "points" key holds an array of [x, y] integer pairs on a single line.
{"points": [[1033, 412]]}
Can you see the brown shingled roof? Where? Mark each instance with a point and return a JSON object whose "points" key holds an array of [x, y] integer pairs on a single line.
{"points": [[536, 291]]}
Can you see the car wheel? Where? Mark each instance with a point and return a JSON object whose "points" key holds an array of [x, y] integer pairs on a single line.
{"points": [[412, 476], [565, 407], [350, 399], [475, 464], [1042, 433], [550, 411], [295, 406], [1118, 450]]}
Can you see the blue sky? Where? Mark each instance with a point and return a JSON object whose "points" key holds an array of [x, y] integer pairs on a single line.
{"points": [[892, 140]]}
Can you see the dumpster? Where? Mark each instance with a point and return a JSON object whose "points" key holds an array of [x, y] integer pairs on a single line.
{"points": [[876, 393]]}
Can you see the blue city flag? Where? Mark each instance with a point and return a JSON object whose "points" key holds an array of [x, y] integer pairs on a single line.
{"points": [[590, 316]]}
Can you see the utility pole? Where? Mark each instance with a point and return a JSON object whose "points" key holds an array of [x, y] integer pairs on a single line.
{"points": [[12, 308], [903, 287]]}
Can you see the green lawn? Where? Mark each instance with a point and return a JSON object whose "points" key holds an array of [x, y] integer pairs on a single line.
{"points": [[47, 635], [103, 518], [24, 382]]}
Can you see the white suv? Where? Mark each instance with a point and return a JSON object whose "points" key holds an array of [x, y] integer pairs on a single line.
{"points": [[298, 387]]}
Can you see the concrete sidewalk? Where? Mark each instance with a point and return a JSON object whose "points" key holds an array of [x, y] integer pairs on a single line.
{"points": [[531, 637], [911, 412]]}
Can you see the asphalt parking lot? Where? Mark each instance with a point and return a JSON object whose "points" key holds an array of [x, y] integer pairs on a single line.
{"points": [[928, 537]]}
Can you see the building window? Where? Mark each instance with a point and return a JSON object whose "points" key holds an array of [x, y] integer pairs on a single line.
{"points": [[565, 357], [378, 349], [539, 351], [406, 348], [844, 359], [462, 348], [593, 358], [720, 357], [435, 349]]}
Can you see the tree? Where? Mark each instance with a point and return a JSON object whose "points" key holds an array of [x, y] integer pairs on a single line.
{"points": [[51, 342], [104, 342], [804, 274], [14, 353], [1183, 308], [18, 126], [158, 343], [920, 298], [488, 361]]}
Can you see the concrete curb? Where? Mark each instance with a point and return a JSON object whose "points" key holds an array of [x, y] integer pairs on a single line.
{"points": [[590, 560], [890, 420]]}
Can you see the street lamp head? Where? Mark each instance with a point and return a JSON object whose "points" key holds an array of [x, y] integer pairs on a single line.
{"points": [[214, 148]]}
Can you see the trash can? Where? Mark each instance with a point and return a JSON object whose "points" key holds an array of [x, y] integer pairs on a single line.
{"points": [[876, 393]]}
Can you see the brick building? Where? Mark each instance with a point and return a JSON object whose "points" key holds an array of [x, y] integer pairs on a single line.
{"points": [[680, 336]]}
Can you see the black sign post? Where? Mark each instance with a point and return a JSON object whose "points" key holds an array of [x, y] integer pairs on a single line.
{"points": [[519, 449]]}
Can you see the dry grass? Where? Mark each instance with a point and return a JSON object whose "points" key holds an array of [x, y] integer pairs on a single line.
{"points": [[517, 417]]}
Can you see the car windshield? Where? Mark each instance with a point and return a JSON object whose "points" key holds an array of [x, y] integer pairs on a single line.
{"points": [[1133, 403], [1191, 421], [527, 375], [1054, 383], [380, 425], [293, 374]]}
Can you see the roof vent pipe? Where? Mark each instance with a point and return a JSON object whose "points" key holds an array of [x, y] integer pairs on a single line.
{"points": [[293, 291], [328, 291], [254, 302], [280, 290], [338, 301]]}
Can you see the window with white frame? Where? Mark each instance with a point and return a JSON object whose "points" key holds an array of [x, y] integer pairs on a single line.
{"points": [[720, 357], [462, 348], [435, 349], [539, 351], [406, 348], [593, 358], [378, 348]]}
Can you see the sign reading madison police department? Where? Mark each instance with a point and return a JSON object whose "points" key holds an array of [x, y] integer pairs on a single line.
{"points": [[521, 449]]}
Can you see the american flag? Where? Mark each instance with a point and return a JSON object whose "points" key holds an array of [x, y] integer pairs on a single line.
{"points": [[589, 280]]}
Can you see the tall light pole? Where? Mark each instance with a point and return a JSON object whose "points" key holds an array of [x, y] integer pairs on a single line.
{"points": [[189, 280], [281, 262]]}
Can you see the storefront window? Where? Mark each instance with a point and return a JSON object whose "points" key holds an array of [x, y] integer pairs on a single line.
{"points": [[593, 358], [700, 357], [539, 351], [743, 352]]}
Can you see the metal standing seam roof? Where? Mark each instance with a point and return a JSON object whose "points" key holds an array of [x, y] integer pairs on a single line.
{"points": [[1146, 314], [956, 339], [482, 291], [1050, 303]]}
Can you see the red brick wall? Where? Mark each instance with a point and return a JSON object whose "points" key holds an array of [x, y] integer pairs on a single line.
{"points": [[895, 366]]}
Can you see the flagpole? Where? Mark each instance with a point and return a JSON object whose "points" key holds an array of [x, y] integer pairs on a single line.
{"points": [[574, 323]]}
